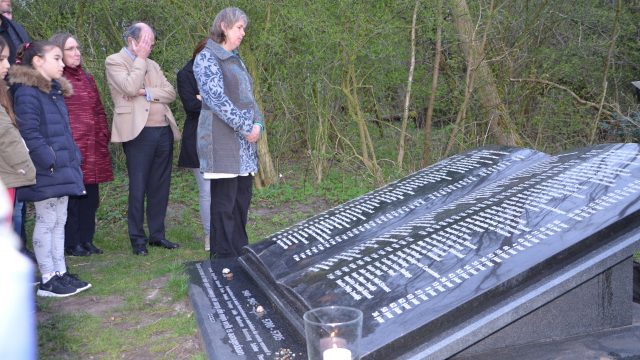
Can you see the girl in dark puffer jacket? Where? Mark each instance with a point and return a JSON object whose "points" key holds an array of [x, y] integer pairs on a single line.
{"points": [[43, 121]]}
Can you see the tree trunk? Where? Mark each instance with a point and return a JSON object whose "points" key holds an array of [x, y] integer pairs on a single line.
{"points": [[426, 153], [499, 121], [350, 90], [608, 61], [266, 171], [407, 98]]}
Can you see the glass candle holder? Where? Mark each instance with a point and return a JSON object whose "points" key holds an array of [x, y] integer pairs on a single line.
{"points": [[333, 333]]}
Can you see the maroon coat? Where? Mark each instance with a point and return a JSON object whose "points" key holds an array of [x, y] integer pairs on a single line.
{"points": [[89, 126]]}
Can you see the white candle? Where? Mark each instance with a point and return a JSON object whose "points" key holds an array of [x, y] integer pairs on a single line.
{"points": [[336, 353]]}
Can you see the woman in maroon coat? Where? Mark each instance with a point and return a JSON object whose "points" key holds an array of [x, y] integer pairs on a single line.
{"points": [[91, 133]]}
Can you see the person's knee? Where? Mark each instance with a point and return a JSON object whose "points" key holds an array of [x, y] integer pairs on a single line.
{"points": [[46, 225]]}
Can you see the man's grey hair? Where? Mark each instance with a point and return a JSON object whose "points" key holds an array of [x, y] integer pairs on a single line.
{"points": [[133, 31], [229, 16]]}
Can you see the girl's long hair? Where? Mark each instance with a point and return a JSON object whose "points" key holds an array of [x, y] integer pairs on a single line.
{"points": [[28, 51], [5, 98]]}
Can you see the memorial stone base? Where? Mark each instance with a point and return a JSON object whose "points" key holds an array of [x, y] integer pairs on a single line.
{"points": [[599, 309]]}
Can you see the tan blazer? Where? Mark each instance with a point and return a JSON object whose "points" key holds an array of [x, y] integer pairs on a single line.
{"points": [[130, 111]]}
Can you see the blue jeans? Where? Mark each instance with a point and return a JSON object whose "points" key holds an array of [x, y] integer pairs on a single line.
{"points": [[18, 218]]}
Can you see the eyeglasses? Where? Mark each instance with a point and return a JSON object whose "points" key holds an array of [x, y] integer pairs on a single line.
{"points": [[73, 49]]}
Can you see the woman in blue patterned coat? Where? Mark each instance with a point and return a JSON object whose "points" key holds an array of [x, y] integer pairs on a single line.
{"points": [[229, 127]]}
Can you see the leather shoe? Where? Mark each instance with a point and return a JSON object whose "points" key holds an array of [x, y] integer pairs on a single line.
{"points": [[92, 248], [165, 244], [77, 250], [140, 250]]}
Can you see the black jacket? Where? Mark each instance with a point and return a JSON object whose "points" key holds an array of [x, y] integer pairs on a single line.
{"points": [[187, 90], [15, 35]]}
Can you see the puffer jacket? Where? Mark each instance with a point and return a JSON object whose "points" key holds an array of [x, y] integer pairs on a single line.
{"points": [[43, 121], [16, 168]]}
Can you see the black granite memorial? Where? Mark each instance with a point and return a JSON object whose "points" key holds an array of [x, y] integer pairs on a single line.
{"points": [[490, 249]]}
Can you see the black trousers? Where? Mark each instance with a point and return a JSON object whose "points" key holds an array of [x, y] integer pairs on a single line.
{"points": [[149, 158], [230, 200], [81, 217]]}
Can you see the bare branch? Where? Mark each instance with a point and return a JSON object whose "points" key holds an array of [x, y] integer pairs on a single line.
{"points": [[561, 87], [405, 115]]}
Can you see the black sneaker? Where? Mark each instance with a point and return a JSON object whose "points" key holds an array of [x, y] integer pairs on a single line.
{"points": [[74, 282], [56, 287]]}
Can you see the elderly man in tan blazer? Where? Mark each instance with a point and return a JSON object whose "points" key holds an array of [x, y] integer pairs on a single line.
{"points": [[144, 124]]}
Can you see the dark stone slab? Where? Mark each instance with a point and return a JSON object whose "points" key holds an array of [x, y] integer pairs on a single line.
{"points": [[614, 344], [429, 252], [598, 304], [636, 281], [462, 256], [230, 326]]}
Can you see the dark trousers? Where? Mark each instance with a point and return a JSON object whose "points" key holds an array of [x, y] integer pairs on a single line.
{"points": [[149, 158], [230, 200], [81, 217], [18, 220]]}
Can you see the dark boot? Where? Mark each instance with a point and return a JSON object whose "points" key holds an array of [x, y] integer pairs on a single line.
{"points": [[77, 250], [92, 248]]}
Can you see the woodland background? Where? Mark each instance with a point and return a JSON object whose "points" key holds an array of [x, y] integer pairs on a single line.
{"points": [[333, 75], [356, 94]]}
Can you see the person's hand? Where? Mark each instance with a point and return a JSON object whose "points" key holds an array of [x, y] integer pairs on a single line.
{"points": [[254, 135], [199, 97], [143, 48], [141, 92]]}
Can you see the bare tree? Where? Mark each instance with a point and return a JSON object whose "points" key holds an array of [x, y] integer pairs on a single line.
{"points": [[266, 172], [407, 98], [350, 89], [500, 123], [612, 43], [426, 153]]}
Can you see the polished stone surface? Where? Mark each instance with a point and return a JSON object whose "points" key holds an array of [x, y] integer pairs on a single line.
{"points": [[614, 344], [442, 259], [436, 248], [235, 318], [601, 303], [636, 282]]}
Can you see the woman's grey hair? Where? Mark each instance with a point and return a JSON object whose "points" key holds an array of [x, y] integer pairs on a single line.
{"points": [[229, 16], [133, 31], [60, 39]]}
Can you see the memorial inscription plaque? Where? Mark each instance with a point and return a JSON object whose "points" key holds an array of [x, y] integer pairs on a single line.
{"points": [[429, 251]]}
